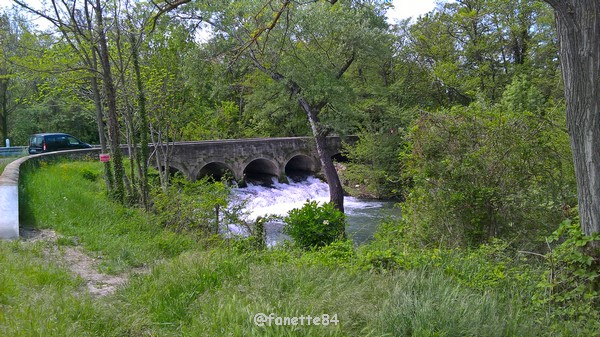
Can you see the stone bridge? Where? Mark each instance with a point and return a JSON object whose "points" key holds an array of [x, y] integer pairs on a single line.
{"points": [[242, 158]]}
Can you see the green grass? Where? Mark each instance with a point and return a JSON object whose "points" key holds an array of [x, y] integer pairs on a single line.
{"points": [[195, 289], [4, 162], [61, 197], [38, 297]]}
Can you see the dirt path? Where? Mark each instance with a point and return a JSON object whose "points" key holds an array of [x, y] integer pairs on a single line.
{"points": [[73, 258]]}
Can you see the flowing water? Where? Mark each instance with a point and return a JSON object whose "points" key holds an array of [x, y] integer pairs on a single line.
{"points": [[363, 216]]}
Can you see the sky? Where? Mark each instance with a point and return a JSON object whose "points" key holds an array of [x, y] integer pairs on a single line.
{"points": [[402, 8]]}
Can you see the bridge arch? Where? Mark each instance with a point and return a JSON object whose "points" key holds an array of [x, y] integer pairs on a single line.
{"points": [[339, 157], [217, 170], [260, 170], [300, 164]]}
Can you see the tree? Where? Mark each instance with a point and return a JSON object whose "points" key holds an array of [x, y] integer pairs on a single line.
{"points": [[578, 26], [309, 52], [306, 48], [5, 78], [473, 48], [82, 26], [169, 100], [126, 35], [12, 87], [111, 97]]}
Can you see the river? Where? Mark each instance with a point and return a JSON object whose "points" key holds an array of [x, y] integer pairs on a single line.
{"points": [[363, 216]]}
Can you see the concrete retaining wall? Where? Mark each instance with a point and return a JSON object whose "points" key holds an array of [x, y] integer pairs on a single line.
{"points": [[9, 186]]}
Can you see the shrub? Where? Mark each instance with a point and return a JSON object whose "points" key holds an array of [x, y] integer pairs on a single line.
{"points": [[570, 288], [89, 174], [337, 253], [374, 169], [314, 225], [485, 171], [201, 205]]}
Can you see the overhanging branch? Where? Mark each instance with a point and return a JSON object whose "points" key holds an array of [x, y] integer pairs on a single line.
{"points": [[346, 66]]}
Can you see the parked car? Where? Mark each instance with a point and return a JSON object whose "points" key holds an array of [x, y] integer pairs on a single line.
{"points": [[48, 142]]}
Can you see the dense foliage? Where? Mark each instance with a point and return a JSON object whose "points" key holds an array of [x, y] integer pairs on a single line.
{"points": [[181, 209], [570, 283], [482, 171]]}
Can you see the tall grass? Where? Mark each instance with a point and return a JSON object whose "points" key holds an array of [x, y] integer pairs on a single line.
{"points": [[195, 290], [217, 293]]}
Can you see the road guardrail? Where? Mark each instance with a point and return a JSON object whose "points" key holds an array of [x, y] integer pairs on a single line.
{"points": [[13, 151]]}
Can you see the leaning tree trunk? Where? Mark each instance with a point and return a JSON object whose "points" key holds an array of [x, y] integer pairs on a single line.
{"points": [[578, 26], [336, 191]]}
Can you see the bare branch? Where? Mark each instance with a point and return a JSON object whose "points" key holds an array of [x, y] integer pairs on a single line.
{"points": [[255, 36], [169, 6]]}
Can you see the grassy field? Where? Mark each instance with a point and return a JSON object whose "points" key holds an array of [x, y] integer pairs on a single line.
{"points": [[184, 285]]}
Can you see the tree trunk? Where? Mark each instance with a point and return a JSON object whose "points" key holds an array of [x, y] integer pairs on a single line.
{"points": [[108, 176], [336, 192], [578, 26], [113, 118], [4, 109], [142, 155], [128, 118]]}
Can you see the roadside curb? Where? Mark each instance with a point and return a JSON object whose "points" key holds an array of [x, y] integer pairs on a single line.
{"points": [[9, 186]]}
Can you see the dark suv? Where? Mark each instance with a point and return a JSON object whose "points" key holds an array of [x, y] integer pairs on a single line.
{"points": [[48, 142]]}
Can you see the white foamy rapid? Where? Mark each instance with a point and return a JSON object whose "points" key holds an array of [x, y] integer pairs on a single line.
{"points": [[279, 198]]}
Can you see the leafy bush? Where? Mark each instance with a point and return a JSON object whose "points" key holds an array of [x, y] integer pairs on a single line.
{"points": [[570, 288], [486, 171], [491, 266], [337, 253], [374, 169], [89, 174], [200, 205], [314, 225]]}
